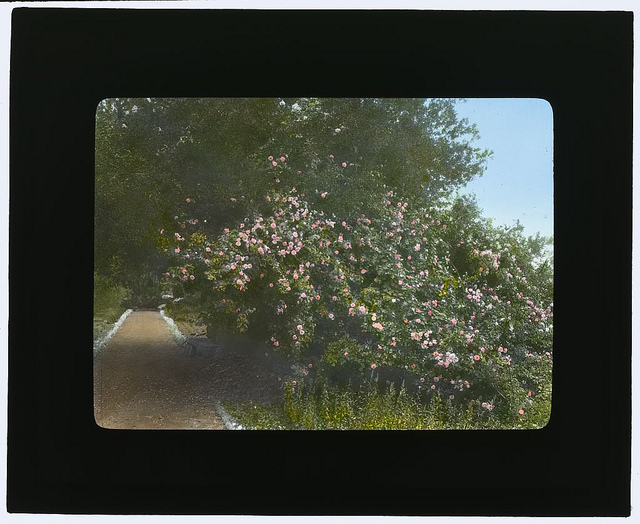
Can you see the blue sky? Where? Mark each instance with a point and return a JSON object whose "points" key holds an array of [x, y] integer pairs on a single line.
{"points": [[518, 182]]}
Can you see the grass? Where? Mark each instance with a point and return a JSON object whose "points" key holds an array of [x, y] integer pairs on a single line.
{"points": [[325, 408]]}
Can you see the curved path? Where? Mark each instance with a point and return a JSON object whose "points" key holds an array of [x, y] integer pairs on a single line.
{"points": [[144, 380]]}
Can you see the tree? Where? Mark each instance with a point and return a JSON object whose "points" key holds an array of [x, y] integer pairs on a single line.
{"points": [[152, 154]]}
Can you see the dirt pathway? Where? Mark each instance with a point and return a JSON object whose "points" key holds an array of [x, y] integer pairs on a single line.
{"points": [[144, 380]]}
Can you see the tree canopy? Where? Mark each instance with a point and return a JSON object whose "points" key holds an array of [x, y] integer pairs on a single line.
{"points": [[151, 154]]}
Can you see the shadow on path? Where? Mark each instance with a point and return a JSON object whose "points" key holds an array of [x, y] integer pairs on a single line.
{"points": [[144, 380]]}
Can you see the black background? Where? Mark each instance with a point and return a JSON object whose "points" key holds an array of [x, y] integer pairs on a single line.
{"points": [[64, 61]]}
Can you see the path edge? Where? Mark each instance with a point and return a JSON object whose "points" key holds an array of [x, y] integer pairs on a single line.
{"points": [[228, 421], [100, 343], [180, 337]]}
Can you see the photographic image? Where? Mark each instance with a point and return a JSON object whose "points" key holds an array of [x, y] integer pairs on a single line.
{"points": [[323, 263]]}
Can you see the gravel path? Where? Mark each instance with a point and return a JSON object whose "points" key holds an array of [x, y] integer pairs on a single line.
{"points": [[144, 380]]}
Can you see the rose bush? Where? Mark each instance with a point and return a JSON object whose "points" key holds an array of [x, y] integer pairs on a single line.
{"points": [[460, 309]]}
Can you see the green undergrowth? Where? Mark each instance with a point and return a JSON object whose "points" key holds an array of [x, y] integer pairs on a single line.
{"points": [[184, 311], [108, 305], [330, 408]]}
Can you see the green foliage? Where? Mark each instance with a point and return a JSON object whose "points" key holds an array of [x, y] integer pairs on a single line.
{"points": [[338, 408], [186, 310], [108, 304], [345, 361], [320, 407], [161, 151], [146, 289]]}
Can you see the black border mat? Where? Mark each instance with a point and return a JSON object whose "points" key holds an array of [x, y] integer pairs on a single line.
{"points": [[64, 61]]}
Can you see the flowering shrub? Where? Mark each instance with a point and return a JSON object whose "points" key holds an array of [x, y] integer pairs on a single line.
{"points": [[464, 310]]}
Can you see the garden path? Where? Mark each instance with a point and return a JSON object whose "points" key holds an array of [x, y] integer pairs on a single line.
{"points": [[144, 380]]}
